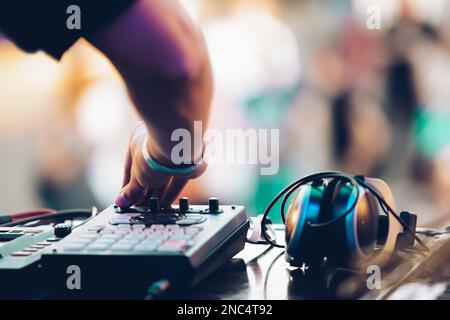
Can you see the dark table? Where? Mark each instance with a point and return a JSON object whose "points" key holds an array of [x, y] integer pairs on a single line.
{"points": [[261, 272]]}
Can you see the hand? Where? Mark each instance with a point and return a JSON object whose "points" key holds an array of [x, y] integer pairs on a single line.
{"points": [[140, 181]]}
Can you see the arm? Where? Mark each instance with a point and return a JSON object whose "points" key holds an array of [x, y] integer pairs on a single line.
{"points": [[163, 60]]}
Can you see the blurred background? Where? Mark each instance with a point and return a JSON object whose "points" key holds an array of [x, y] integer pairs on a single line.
{"points": [[373, 102]]}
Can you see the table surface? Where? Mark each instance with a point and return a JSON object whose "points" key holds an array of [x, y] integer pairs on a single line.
{"points": [[261, 272]]}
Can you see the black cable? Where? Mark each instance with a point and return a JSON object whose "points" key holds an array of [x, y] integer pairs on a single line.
{"points": [[63, 214], [381, 200], [286, 192], [355, 181]]}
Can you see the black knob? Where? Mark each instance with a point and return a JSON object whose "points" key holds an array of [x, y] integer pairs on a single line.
{"points": [[62, 229], [154, 205], [184, 204], [213, 204]]}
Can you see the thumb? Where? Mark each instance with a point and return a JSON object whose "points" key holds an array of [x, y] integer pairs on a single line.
{"points": [[132, 193]]}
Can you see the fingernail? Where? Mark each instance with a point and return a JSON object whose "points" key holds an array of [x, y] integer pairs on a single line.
{"points": [[121, 201]]}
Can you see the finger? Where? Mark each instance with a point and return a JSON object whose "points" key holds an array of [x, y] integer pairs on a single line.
{"points": [[160, 191], [153, 192], [132, 193], [173, 190], [144, 201], [127, 168]]}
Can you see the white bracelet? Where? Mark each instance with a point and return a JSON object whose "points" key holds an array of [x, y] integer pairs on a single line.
{"points": [[159, 167]]}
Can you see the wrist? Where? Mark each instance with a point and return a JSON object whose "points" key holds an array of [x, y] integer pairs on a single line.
{"points": [[157, 154], [162, 164]]}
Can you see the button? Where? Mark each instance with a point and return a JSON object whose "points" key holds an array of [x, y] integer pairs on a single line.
{"points": [[37, 246], [111, 236], [174, 242], [46, 244], [62, 229], [194, 216], [74, 247], [108, 231], [184, 237], [131, 242], [122, 247], [184, 204], [134, 237], [191, 231], [104, 241], [156, 237], [121, 220], [21, 254], [145, 247], [186, 222], [174, 232], [154, 205], [152, 243], [53, 239], [213, 204], [97, 247], [84, 241], [89, 235], [170, 248], [120, 216], [31, 231]]}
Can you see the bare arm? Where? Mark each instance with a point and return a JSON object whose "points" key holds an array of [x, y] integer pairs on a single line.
{"points": [[161, 55]]}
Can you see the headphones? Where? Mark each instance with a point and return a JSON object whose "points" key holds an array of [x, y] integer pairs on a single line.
{"points": [[349, 220]]}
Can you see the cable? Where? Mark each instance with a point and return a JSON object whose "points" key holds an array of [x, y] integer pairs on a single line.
{"points": [[22, 215], [381, 200], [269, 270], [63, 214], [287, 192], [156, 289], [314, 178]]}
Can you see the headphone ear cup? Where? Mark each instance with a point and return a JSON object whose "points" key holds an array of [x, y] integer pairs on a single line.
{"points": [[353, 237], [341, 242], [303, 243]]}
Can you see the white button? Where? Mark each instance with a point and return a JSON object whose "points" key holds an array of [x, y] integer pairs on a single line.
{"points": [[89, 235], [82, 241], [181, 237], [97, 247], [121, 247], [145, 248], [74, 247], [111, 236], [104, 241], [170, 249]]}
